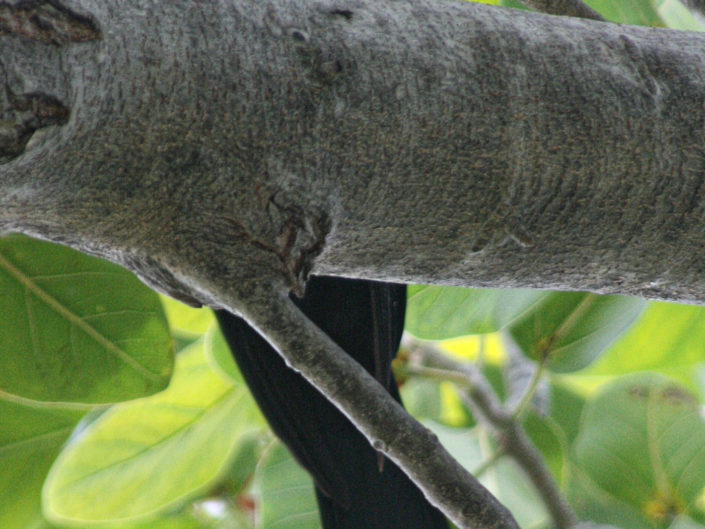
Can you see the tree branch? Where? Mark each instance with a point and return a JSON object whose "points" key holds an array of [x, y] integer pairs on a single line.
{"points": [[383, 421], [507, 429]]}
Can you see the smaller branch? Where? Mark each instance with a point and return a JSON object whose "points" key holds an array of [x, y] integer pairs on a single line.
{"points": [[508, 431], [415, 449], [568, 8]]}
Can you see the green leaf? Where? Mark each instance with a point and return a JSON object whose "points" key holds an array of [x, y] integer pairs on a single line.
{"points": [[76, 328], [437, 313], [566, 408], [30, 440], [146, 456], [667, 338], [549, 440], [568, 330], [284, 492], [641, 442]]}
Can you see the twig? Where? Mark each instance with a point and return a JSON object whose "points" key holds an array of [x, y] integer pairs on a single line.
{"points": [[511, 436]]}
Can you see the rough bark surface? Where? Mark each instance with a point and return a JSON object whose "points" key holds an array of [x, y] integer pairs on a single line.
{"points": [[224, 150]]}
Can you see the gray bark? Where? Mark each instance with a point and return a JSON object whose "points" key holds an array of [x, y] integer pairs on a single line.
{"points": [[225, 150]]}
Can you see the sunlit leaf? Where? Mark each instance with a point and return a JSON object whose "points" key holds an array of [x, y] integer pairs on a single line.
{"points": [[76, 328], [187, 320], [146, 456], [667, 337]]}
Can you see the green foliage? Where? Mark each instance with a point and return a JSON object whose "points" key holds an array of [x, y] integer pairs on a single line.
{"points": [[76, 328], [133, 460], [611, 389], [642, 443]]}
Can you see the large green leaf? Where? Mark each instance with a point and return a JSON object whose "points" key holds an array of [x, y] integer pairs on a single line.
{"points": [[642, 442], [568, 330], [30, 439], [437, 313], [146, 456], [76, 328], [284, 492]]}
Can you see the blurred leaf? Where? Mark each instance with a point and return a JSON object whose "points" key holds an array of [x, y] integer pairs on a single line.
{"points": [[422, 398], [76, 328], [566, 408], [592, 503], [548, 438], [637, 12], [285, 492], [570, 329], [146, 456], [243, 464], [437, 313], [30, 439], [641, 441], [667, 338]]}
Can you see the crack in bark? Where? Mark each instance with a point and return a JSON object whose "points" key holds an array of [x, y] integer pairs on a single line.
{"points": [[301, 238], [46, 21]]}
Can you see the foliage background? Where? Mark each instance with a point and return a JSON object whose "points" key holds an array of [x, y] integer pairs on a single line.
{"points": [[95, 433]]}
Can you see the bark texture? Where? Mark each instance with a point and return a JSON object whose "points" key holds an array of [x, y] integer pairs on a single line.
{"points": [[225, 150]]}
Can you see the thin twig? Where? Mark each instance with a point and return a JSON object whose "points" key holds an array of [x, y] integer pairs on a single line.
{"points": [[507, 430]]}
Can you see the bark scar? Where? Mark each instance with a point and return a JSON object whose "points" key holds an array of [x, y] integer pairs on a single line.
{"points": [[22, 115], [301, 237], [46, 21]]}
